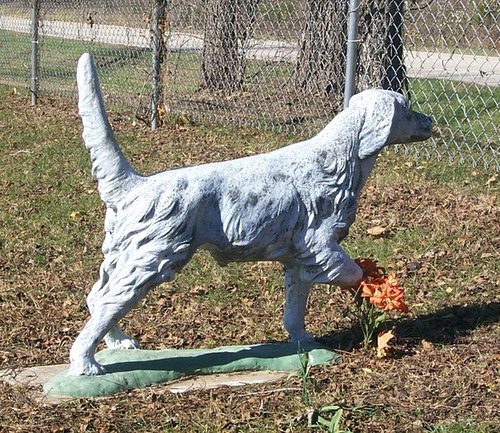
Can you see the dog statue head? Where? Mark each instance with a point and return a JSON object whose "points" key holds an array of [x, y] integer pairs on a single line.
{"points": [[387, 119]]}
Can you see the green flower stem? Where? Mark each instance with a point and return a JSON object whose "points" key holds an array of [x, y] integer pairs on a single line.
{"points": [[370, 317]]}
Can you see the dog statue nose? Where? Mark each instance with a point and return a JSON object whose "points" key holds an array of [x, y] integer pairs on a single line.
{"points": [[429, 123], [425, 125]]}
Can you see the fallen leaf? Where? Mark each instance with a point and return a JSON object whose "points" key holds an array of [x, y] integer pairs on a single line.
{"points": [[426, 346], [183, 120], [491, 180], [376, 231], [487, 255], [383, 343], [423, 270]]}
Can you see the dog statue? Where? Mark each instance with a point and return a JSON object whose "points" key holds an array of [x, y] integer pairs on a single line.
{"points": [[293, 205]]}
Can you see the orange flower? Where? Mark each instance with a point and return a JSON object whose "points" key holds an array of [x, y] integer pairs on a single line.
{"points": [[369, 267], [367, 289], [382, 291]]}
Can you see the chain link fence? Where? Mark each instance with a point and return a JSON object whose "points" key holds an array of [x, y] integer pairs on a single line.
{"points": [[276, 64]]}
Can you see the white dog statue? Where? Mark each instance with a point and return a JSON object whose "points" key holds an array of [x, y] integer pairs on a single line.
{"points": [[293, 205]]}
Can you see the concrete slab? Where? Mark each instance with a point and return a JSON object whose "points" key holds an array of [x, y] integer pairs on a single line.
{"points": [[35, 378]]}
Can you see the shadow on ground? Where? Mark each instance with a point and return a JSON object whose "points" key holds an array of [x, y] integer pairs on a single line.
{"points": [[441, 327]]}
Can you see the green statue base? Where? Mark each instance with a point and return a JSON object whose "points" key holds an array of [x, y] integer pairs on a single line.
{"points": [[127, 369]]}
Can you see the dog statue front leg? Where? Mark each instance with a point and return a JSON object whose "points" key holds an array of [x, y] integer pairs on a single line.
{"points": [[297, 292]]}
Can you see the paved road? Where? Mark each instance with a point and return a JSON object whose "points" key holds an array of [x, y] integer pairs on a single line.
{"points": [[484, 70]]}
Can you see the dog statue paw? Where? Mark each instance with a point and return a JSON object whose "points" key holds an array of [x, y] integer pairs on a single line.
{"points": [[117, 339], [303, 337], [84, 365]]}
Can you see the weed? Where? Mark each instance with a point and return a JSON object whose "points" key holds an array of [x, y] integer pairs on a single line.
{"points": [[327, 418], [330, 418], [469, 426], [305, 371]]}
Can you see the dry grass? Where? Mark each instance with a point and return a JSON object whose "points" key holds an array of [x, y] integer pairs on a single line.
{"points": [[441, 237]]}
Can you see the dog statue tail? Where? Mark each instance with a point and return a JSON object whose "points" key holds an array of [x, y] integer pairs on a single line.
{"points": [[113, 172]]}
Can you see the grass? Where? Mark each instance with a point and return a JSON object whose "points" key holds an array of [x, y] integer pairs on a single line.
{"points": [[466, 115], [123, 69], [440, 238], [460, 427]]}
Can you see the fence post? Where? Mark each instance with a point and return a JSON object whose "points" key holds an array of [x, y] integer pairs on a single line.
{"points": [[352, 50], [34, 51], [157, 15]]}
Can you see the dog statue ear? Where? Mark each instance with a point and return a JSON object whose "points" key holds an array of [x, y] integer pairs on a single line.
{"points": [[377, 121]]}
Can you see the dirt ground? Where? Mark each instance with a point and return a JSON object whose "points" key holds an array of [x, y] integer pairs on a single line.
{"points": [[441, 235]]}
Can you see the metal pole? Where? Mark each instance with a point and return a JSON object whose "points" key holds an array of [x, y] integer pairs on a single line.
{"points": [[352, 51], [157, 14], [34, 51]]}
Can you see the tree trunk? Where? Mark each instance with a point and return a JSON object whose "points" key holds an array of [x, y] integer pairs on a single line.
{"points": [[320, 66], [321, 61], [380, 61], [395, 70], [228, 26]]}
